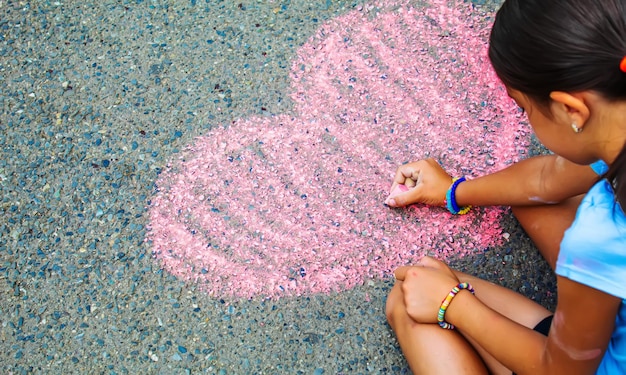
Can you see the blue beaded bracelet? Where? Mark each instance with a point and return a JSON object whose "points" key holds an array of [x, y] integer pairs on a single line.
{"points": [[451, 204]]}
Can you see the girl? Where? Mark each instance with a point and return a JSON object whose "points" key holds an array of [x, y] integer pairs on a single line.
{"points": [[563, 62]]}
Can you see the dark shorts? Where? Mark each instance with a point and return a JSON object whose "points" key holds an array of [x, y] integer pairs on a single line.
{"points": [[543, 326]]}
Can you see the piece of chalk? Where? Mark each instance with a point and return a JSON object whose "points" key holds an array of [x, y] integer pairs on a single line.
{"points": [[399, 189]]}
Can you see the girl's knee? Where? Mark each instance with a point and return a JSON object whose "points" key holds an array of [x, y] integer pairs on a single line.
{"points": [[395, 305], [521, 212]]}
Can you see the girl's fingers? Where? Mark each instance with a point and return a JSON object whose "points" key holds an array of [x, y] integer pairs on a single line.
{"points": [[407, 171], [431, 262], [400, 272], [403, 198]]}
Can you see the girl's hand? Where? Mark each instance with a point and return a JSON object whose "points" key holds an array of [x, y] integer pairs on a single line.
{"points": [[424, 287], [422, 181]]}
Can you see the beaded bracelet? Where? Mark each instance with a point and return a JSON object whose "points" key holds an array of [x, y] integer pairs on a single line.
{"points": [[451, 204], [446, 302]]}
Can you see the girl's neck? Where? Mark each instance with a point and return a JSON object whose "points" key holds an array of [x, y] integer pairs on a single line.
{"points": [[610, 133]]}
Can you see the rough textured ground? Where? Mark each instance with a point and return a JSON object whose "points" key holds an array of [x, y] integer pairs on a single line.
{"points": [[100, 100]]}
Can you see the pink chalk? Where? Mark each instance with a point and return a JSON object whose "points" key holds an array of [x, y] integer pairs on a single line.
{"points": [[398, 189], [293, 204]]}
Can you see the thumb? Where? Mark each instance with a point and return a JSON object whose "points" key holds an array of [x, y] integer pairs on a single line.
{"points": [[402, 199]]}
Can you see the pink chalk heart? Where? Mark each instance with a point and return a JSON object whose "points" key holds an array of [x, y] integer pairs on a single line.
{"points": [[293, 204]]}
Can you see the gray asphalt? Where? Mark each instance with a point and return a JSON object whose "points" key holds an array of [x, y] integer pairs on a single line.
{"points": [[83, 137]]}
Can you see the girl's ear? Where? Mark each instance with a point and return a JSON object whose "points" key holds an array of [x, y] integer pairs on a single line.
{"points": [[573, 106]]}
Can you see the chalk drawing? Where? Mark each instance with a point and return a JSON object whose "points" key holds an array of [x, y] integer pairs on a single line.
{"points": [[293, 204]]}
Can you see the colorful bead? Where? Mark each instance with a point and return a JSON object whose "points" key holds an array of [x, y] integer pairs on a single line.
{"points": [[446, 302]]}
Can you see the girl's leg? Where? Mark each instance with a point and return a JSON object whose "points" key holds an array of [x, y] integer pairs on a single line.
{"points": [[546, 224], [429, 349]]}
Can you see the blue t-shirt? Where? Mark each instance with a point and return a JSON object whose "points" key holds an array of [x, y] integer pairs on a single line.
{"points": [[593, 253]]}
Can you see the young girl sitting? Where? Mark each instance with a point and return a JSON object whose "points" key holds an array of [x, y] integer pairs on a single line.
{"points": [[563, 62]]}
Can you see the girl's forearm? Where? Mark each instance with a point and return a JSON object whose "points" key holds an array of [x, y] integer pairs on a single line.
{"points": [[546, 179]]}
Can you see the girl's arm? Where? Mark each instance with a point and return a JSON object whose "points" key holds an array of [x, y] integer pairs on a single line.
{"points": [[580, 332], [545, 179], [537, 180]]}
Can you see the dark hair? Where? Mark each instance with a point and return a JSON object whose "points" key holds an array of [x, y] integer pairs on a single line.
{"points": [[540, 46]]}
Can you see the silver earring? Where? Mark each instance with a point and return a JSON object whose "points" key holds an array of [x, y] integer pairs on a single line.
{"points": [[576, 128]]}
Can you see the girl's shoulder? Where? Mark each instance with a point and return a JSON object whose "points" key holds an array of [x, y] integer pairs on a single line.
{"points": [[601, 197], [600, 214], [595, 245]]}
